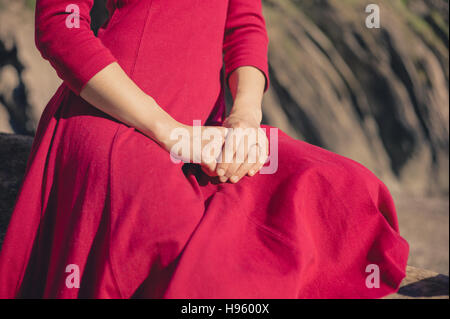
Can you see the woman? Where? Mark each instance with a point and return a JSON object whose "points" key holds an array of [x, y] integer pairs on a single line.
{"points": [[105, 213]]}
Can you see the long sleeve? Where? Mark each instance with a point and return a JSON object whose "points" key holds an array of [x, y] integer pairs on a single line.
{"points": [[75, 53], [246, 41]]}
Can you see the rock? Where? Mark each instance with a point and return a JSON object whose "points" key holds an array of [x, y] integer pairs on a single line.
{"points": [[424, 223], [14, 151], [422, 284], [379, 96], [27, 81]]}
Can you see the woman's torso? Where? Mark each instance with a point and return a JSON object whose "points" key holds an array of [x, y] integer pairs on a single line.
{"points": [[172, 49]]}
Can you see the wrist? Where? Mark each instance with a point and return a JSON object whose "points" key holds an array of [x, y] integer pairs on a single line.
{"points": [[163, 129], [158, 125], [248, 111]]}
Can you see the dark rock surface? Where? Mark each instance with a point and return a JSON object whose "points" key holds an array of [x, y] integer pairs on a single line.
{"points": [[14, 151], [379, 96], [422, 284]]}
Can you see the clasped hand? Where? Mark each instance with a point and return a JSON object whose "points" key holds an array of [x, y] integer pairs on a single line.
{"points": [[236, 149]]}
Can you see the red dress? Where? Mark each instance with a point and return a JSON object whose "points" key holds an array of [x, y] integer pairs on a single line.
{"points": [[101, 196]]}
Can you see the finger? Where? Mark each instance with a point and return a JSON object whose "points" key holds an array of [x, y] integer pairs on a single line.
{"points": [[243, 169], [240, 157], [222, 166], [258, 152], [231, 173], [258, 160], [228, 151], [213, 138], [242, 163], [212, 144]]}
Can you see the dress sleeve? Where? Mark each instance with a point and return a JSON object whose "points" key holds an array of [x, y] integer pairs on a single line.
{"points": [[245, 41], [75, 53]]}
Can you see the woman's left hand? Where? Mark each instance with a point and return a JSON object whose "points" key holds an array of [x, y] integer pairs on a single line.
{"points": [[246, 145]]}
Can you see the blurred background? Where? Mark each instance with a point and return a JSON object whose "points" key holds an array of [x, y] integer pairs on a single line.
{"points": [[379, 96]]}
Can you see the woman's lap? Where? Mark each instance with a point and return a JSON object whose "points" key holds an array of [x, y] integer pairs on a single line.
{"points": [[316, 209]]}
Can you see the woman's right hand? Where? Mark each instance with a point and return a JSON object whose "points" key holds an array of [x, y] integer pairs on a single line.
{"points": [[195, 144]]}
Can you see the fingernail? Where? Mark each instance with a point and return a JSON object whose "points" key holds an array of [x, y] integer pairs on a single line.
{"points": [[234, 179], [251, 172], [220, 172], [223, 179]]}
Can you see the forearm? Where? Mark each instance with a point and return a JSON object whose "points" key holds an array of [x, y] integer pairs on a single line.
{"points": [[247, 85], [113, 92]]}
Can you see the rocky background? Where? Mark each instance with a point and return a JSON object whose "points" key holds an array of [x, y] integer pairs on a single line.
{"points": [[378, 96]]}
